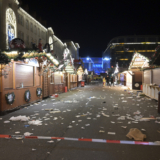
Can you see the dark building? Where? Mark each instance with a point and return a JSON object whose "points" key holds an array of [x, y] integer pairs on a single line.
{"points": [[121, 49]]}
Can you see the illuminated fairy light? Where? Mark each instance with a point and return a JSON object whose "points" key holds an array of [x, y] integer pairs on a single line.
{"points": [[24, 12], [139, 61], [136, 43]]}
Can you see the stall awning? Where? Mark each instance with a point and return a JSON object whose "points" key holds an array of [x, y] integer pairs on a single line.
{"points": [[139, 61]]}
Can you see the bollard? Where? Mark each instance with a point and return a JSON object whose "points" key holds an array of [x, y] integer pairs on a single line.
{"points": [[159, 102]]}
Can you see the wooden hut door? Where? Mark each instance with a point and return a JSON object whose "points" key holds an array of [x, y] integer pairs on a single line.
{"points": [[45, 85]]}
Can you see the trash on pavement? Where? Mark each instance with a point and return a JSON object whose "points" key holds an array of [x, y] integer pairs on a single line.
{"points": [[137, 117], [36, 122], [136, 134], [111, 133], [105, 115], [69, 126], [33, 149], [121, 118], [143, 130], [101, 131], [124, 126], [55, 112], [50, 142], [6, 121], [17, 132], [27, 134], [137, 112], [19, 118]]}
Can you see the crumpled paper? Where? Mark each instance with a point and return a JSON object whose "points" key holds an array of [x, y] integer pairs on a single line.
{"points": [[136, 134], [19, 118]]}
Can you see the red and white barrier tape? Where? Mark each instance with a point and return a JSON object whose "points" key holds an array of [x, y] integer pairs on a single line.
{"points": [[157, 143]]}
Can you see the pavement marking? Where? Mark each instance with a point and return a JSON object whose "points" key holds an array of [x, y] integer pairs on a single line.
{"points": [[156, 143]]}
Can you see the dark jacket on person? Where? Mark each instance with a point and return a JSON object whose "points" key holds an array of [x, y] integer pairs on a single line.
{"points": [[111, 79]]}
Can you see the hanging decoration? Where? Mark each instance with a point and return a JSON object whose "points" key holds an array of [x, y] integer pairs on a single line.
{"points": [[10, 98], [27, 96], [39, 92], [17, 43]]}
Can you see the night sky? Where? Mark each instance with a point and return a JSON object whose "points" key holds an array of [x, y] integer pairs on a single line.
{"points": [[94, 23]]}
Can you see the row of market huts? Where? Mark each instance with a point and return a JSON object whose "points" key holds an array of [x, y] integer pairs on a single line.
{"points": [[143, 74], [24, 83]]}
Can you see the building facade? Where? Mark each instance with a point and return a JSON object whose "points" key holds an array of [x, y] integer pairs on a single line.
{"points": [[74, 49], [96, 64], [15, 22], [121, 49]]}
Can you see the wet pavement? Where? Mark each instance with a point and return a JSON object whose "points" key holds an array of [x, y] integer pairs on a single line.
{"points": [[89, 112]]}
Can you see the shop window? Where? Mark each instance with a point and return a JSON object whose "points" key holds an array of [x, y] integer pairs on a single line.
{"points": [[57, 78]]}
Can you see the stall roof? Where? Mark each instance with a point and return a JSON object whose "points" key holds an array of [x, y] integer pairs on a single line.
{"points": [[139, 61]]}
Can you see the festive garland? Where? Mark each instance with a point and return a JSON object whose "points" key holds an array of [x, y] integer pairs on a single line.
{"points": [[28, 55], [27, 96], [39, 92], [10, 98]]}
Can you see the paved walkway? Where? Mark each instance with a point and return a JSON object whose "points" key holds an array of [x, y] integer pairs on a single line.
{"points": [[82, 120]]}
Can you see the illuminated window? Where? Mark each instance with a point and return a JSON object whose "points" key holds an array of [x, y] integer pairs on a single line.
{"points": [[10, 26]]}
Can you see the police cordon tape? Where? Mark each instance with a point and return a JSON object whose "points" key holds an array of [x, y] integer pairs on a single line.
{"points": [[156, 143]]}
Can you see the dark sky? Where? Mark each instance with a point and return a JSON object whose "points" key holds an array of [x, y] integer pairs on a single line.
{"points": [[94, 23]]}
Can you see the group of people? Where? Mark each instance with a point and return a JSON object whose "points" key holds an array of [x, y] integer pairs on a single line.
{"points": [[108, 80]]}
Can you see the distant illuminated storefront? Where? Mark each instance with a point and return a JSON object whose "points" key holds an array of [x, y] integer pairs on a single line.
{"points": [[96, 64]]}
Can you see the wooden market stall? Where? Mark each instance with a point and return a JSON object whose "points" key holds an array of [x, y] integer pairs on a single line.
{"points": [[53, 80], [151, 76], [20, 83], [71, 77], [80, 73], [134, 75], [56, 82]]}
